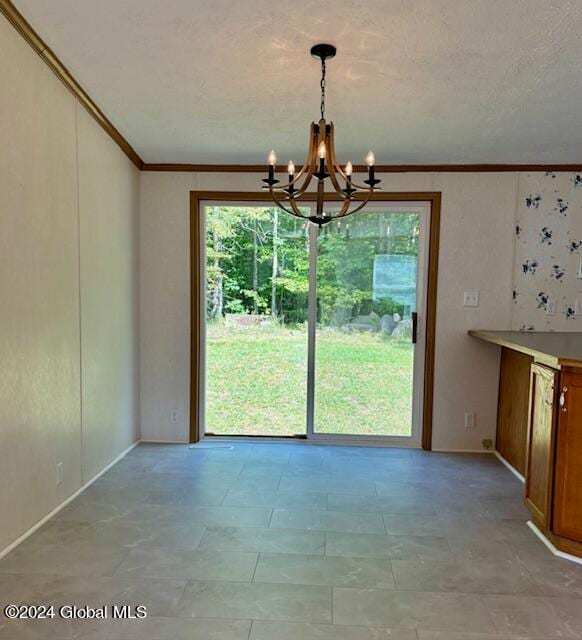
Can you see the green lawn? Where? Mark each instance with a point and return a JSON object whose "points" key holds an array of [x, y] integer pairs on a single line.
{"points": [[256, 382]]}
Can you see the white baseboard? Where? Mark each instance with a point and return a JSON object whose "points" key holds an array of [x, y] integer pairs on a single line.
{"points": [[509, 466], [46, 518], [462, 450], [164, 442], [549, 544]]}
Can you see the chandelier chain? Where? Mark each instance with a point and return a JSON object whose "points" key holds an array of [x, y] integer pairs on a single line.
{"points": [[322, 84]]}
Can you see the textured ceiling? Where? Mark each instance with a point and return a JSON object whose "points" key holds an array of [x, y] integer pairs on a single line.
{"points": [[419, 81]]}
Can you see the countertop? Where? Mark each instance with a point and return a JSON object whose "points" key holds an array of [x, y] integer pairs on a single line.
{"points": [[554, 348]]}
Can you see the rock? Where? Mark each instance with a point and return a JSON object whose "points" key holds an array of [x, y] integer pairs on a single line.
{"points": [[366, 323], [340, 317], [403, 329], [387, 324], [242, 319], [361, 326]]}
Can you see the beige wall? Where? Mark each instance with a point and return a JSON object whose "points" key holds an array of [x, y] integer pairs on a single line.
{"points": [[476, 252], [108, 219], [68, 250], [478, 213]]}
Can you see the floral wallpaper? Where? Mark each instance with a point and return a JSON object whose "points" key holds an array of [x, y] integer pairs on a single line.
{"points": [[548, 253]]}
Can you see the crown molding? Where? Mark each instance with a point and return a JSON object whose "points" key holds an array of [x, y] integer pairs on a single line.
{"points": [[380, 168], [21, 25]]}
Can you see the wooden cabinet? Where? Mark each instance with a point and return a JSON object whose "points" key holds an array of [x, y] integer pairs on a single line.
{"points": [[512, 408], [541, 443], [553, 477], [567, 520], [539, 426]]}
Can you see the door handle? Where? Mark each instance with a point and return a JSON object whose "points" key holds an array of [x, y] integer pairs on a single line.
{"points": [[414, 326], [563, 399]]}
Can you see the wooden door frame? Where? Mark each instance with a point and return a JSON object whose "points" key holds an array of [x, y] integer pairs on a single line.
{"points": [[197, 197]]}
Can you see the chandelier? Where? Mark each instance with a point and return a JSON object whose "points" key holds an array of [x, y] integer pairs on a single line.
{"points": [[321, 164]]}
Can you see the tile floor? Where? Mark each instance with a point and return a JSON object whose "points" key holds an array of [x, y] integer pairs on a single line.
{"points": [[297, 542]]}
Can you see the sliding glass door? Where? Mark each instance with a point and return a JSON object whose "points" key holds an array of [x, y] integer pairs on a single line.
{"points": [[256, 283], [314, 333], [367, 271]]}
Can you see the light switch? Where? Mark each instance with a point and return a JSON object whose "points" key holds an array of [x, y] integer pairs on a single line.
{"points": [[471, 299]]}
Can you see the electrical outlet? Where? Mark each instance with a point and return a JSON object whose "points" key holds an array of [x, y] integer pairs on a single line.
{"points": [[174, 416], [551, 308], [59, 473], [471, 299], [469, 420]]}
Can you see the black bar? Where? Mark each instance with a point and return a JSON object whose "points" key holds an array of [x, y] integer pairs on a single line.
{"points": [[414, 326]]}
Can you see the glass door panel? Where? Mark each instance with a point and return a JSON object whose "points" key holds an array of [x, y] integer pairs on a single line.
{"points": [[366, 275], [257, 281]]}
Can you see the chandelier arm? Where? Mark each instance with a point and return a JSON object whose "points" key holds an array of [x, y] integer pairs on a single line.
{"points": [[294, 211], [295, 208], [355, 185], [359, 207], [306, 182], [336, 166], [345, 206], [308, 167], [308, 164], [310, 153], [331, 169], [303, 188], [331, 162], [298, 192]]}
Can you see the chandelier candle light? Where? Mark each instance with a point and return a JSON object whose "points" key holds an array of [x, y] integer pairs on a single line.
{"points": [[321, 164]]}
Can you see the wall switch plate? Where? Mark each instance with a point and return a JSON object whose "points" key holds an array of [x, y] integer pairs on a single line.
{"points": [[579, 271], [174, 416], [469, 420], [551, 308], [59, 473], [578, 307], [471, 299]]}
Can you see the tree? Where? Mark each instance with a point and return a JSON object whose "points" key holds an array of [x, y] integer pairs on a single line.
{"points": [[258, 262], [217, 299], [275, 262]]}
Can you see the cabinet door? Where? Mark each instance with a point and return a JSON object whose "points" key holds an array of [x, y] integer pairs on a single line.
{"points": [[568, 483], [512, 408], [540, 444]]}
